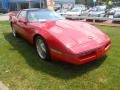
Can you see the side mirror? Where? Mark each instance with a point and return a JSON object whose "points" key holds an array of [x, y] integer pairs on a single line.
{"points": [[22, 20]]}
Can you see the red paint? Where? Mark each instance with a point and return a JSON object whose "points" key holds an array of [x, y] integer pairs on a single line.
{"points": [[70, 41]]}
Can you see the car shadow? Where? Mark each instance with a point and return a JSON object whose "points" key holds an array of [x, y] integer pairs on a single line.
{"points": [[56, 69]]}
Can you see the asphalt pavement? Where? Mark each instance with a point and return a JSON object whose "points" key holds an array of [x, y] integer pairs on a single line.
{"points": [[4, 17]]}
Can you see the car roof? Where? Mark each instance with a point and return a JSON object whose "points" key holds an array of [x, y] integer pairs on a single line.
{"points": [[34, 9]]}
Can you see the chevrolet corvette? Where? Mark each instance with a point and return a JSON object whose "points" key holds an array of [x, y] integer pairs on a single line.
{"points": [[56, 38]]}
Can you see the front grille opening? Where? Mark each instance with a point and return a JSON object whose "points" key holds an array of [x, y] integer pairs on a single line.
{"points": [[107, 44], [87, 54]]}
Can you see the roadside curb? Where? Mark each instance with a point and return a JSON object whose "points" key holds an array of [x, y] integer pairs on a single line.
{"points": [[105, 24]]}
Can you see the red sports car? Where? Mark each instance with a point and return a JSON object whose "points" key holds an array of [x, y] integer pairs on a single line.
{"points": [[56, 38]]}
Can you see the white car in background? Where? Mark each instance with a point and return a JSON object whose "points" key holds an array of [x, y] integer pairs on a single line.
{"points": [[62, 11], [98, 11], [113, 10], [75, 12], [117, 16]]}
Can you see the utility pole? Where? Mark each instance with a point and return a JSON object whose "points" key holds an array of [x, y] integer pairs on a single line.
{"points": [[40, 3], [29, 3], [94, 1]]}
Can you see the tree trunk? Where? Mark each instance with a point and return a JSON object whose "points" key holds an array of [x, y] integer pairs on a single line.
{"points": [[85, 2]]}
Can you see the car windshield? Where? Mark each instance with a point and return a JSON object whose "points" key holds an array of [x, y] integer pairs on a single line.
{"points": [[41, 16], [98, 8]]}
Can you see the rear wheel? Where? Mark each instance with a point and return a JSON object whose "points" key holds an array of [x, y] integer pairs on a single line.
{"points": [[42, 48]]}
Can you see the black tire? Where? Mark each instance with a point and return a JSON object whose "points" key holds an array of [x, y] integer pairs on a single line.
{"points": [[42, 45]]}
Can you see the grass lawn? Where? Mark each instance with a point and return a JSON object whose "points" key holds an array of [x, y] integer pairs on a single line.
{"points": [[21, 68]]}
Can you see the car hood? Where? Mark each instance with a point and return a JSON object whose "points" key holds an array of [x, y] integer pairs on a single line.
{"points": [[74, 34]]}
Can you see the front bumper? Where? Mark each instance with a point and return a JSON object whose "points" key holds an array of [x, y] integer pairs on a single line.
{"points": [[75, 59]]}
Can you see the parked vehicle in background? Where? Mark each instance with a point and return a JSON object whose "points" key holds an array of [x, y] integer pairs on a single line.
{"points": [[98, 11], [116, 15], [77, 11], [83, 7], [3, 10], [113, 10], [62, 11], [57, 7]]}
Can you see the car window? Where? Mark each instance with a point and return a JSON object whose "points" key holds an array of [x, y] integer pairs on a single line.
{"points": [[22, 15]]}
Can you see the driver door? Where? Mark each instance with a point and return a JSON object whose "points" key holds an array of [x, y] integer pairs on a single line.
{"points": [[24, 27], [20, 25]]}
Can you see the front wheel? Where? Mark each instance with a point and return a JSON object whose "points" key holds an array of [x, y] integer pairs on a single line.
{"points": [[42, 48]]}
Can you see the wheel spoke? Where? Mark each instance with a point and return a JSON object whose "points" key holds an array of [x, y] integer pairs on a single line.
{"points": [[41, 49]]}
